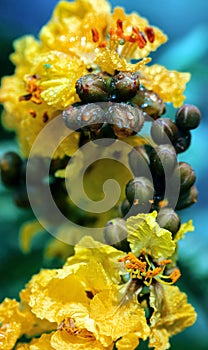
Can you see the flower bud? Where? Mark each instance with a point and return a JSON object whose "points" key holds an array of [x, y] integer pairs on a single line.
{"points": [[10, 165], [125, 206], [163, 130], [167, 218], [187, 199], [124, 86], [188, 117], [89, 116], [20, 197], [187, 176], [149, 102], [92, 88], [163, 160], [182, 140], [139, 160], [140, 190], [126, 120], [115, 233]]}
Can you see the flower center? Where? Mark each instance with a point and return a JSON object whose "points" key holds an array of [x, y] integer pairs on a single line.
{"points": [[145, 269]]}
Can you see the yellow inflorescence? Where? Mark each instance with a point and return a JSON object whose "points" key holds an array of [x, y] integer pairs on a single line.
{"points": [[85, 304], [81, 35]]}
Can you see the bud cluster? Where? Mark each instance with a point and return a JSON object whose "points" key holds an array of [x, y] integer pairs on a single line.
{"points": [[117, 104], [147, 191]]}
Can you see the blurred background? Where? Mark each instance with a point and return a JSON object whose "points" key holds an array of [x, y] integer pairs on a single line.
{"points": [[186, 24]]}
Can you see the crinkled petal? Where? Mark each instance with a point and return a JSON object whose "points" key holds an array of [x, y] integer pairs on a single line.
{"points": [[114, 320], [171, 310], [169, 85], [144, 232], [62, 340], [110, 61]]}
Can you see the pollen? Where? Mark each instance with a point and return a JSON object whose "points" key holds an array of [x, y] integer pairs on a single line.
{"points": [[34, 90], [175, 275]]}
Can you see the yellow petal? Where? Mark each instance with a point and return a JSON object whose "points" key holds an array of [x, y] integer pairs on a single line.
{"points": [[117, 321], [62, 340], [104, 254], [128, 342], [185, 227], [42, 343], [169, 85], [50, 299], [144, 232], [171, 310]]}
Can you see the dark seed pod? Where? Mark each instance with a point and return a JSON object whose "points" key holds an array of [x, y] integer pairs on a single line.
{"points": [[163, 160], [150, 102], [115, 233], [182, 140], [139, 161], [126, 120], [187, 176], [169, 219], [10, 165], [163, 130], [89, 116], [92, 88], [124, 86], [188, 117], [187, 199], [140, 190]]}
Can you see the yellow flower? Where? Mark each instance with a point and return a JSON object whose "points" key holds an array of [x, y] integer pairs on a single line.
{"points": [[17, 320], [86, 305], [81, 35]]}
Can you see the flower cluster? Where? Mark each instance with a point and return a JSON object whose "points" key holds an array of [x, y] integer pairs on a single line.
{"points": [[82, 36], [90, 68], [102, 297]]}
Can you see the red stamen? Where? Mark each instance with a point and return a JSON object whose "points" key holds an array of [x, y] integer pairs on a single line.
{"points": [[95, 35], [119, 31], [150, 34]]}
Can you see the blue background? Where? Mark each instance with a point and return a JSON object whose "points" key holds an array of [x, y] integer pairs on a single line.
{"points": [[186, 24]]}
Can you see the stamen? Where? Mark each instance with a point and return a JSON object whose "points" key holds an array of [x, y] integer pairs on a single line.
{"points": [[175, 275], [133, 263], [150, 34], [95, 35]]}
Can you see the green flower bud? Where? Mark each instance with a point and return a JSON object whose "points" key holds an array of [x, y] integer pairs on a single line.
{"points": [[139, 160], [126, 120], [140, 190], [125, 206], [115, 233], [149, 102], [182, 140], [162, 130], [188, 117], [187, 176], [10, 166], [124, 86], [92, 88], [163, 160], [167, 218], [187, 199]]}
